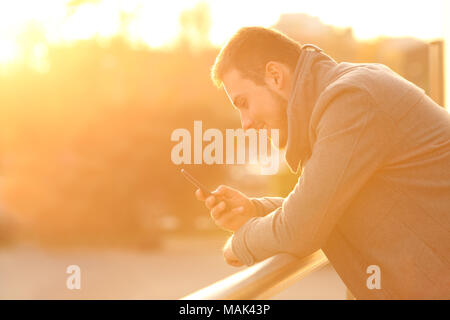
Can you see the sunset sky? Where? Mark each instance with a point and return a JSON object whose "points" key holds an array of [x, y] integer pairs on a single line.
{"points": [[156, 23]]}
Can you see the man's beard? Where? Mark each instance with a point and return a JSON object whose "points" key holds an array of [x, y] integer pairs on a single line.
{"points": [[282, 104]]}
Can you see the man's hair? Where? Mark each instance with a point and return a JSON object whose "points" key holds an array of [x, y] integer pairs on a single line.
{"points": [[250, 49]]}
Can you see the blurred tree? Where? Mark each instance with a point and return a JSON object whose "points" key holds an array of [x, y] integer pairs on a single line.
{"points": [[195, 27]]}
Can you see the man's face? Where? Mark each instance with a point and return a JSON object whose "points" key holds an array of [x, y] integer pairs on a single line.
{"points": [[259, 106]]}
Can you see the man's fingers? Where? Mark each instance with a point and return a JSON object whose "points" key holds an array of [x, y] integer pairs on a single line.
{"points": [[210, 202], [223, 191], [228, 221], [218, 210], [225, 217], [199, 195], [220, 189], [234, 263], [228, 216], [237, 210]]}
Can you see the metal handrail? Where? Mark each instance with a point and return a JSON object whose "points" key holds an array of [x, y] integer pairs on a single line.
{"points": [[262, 280]]}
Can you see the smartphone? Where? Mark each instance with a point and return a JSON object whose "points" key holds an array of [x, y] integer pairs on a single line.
{"points": [[196, 183], [205, 191]]}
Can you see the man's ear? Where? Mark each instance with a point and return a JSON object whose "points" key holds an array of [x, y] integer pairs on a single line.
{"points": [[274, 75]]}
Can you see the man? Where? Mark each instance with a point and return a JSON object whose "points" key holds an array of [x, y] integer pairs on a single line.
{"points": [[374, 152]]}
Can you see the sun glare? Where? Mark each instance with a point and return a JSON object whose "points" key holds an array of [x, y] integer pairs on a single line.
{"points": [[8, 51], [90, 20], [156, 24]]}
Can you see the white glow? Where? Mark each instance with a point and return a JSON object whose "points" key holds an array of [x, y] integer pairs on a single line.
{"points": [[156, 23], [8, 50], [368, 18]]}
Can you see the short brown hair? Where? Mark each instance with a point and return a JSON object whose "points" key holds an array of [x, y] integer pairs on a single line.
{"points": [[250, 49]]}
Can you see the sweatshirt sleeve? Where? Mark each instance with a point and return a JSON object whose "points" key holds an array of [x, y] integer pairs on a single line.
{"points": [[352, 139], [266, 205]]}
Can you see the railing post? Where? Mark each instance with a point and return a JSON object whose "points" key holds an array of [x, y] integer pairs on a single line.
{"points": [[436, 71]]}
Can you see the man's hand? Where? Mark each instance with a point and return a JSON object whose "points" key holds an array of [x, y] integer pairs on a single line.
{"points": [[232, 215], [229, 256]]}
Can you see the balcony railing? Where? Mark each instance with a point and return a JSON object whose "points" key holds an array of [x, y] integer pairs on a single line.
{"points": [[262, 280]]}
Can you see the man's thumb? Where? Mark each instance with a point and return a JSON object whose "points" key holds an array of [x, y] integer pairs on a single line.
{"points": [[222, 190]]}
